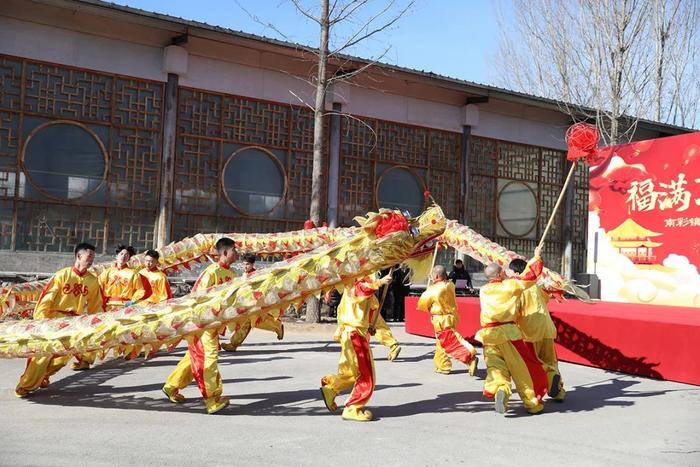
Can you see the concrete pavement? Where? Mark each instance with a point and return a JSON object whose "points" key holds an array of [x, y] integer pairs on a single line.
{"points": [[115, 414]]}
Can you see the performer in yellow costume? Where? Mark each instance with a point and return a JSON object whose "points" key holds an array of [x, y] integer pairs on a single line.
{"points": [[507, 355], [122, 285], [71, 292], [536, 324], [158, 281], [267, 321], [382, 332], [201, 359], [439, 300], [356, 366]]}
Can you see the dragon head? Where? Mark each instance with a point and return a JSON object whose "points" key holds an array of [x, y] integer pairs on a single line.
{"points": [[426, 228], [397, 237]]}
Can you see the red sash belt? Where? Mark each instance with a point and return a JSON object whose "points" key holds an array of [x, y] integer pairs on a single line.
{"points": [[495, 325]]}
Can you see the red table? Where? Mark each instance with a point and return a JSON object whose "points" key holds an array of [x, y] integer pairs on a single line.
{"points": [[649, 340]]}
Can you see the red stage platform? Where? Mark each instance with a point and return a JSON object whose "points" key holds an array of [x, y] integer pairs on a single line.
{"points": [[648, 340]]}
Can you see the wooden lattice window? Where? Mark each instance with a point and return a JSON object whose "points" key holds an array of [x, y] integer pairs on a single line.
{"points": [[216, 133], [494, 165], [122, 115], [372, 148]]}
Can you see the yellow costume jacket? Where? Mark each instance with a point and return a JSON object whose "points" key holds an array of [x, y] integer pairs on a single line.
{"points": [[500, 304], [214, 274], [534, 320], [439, 299], [160, 288], [358, 305], [70, 293], [120, 285]]}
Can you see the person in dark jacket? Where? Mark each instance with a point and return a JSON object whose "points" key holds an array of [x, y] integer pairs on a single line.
{"points": [[459, 272], [333, 301], [400, 290], [389, 298]]}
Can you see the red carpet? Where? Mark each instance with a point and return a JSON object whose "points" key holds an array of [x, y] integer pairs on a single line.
{"points": [[647, 340]]}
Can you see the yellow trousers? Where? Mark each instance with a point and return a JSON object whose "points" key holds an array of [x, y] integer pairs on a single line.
{"points": [[517, 361], [355, 369], [201, 364], [41, 368], [449, 343], [383, 334], [544, 350], [38, 369], [265, 322]]}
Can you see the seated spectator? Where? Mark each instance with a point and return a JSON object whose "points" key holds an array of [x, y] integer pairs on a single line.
{"points": [[459, 272]]}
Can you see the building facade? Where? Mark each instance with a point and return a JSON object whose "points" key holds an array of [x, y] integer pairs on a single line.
{"points": [[122, 126]]}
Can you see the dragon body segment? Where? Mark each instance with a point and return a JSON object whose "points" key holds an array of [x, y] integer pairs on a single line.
{"points": [[136, 328], [18, 300]]}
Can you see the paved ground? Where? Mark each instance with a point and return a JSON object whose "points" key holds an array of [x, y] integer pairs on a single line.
{"points": [[115, 414]]}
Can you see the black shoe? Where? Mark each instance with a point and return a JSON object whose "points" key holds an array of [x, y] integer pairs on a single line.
{"points": [[554, 388]]}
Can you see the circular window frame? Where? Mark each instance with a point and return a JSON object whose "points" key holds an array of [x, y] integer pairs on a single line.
{"points": [[103, 150], [423, 186], [498, 208], [280, 166]]}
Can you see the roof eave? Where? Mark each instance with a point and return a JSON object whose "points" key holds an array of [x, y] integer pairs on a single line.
{"points": [[181, 26]]}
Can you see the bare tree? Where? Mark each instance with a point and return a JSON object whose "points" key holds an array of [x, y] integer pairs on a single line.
{"points": [[608, 61], [680, 75], [663, 19], [333, 15], [343, 25]]}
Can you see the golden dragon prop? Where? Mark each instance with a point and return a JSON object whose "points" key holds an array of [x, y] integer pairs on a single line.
{"points": [[17, 301], [385, 238], [471, 243]]}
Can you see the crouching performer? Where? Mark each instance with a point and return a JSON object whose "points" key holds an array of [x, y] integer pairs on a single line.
{"points": [[507, 355], [201, 361], [439, 300], [536, 324], [356, 366], [71, 292]]}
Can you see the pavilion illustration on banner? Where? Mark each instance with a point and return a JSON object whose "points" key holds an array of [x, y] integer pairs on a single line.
{"points": [[634, 241]]}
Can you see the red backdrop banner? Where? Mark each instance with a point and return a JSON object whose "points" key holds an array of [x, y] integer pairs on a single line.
{"points": [[644, 214]]}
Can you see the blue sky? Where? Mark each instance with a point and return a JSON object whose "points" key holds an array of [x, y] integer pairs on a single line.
{"points": [[448, 37]]}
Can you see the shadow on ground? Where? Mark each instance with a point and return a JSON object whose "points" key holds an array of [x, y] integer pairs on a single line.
{"points": [[91, 389]]}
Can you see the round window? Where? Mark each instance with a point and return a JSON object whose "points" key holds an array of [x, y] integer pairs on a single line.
{"points": [[517, 209], [399, 188], [253, 181], [64, 160]]}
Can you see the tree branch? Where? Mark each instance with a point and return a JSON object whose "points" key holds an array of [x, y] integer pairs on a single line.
{"points": [[344, 13], [304, 12], [359, 36]]}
